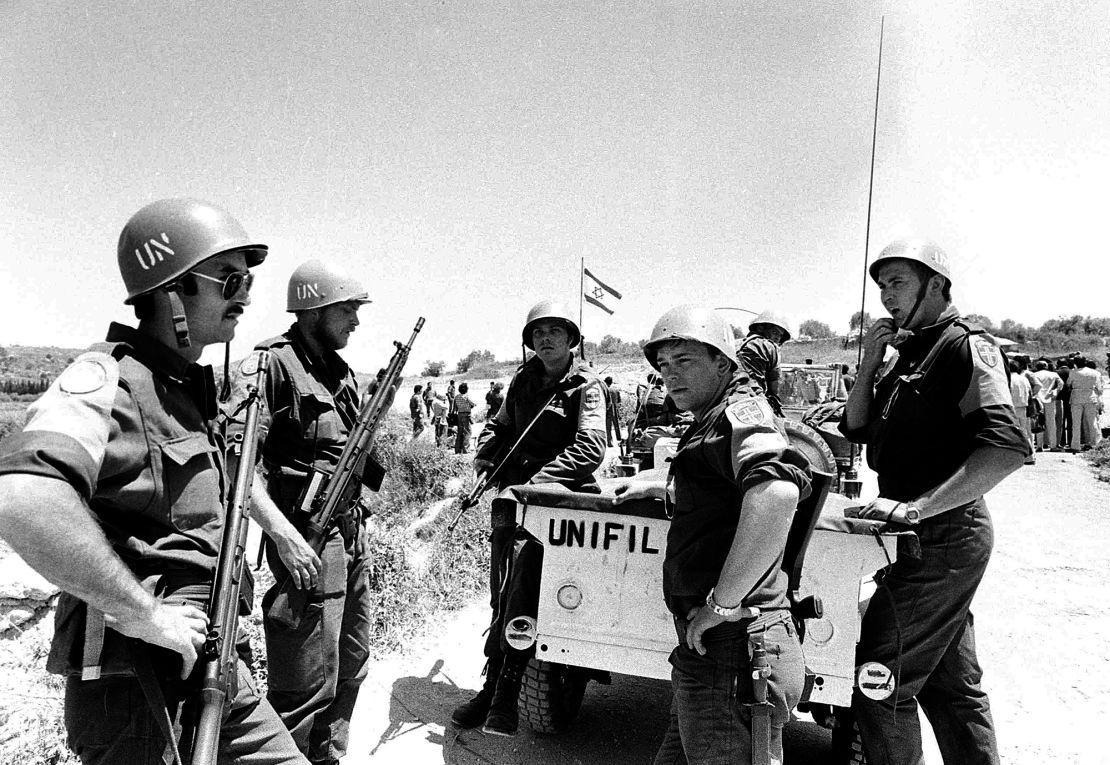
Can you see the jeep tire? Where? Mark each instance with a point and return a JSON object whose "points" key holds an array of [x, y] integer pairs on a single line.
{"points": [[551, 695], [810, 443]]}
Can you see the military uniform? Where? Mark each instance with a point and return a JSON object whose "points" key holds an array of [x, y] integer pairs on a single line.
{"points": [[315, 669], [130, 427], [759, 357], [566, 446], [944, 396], [737, 445]]}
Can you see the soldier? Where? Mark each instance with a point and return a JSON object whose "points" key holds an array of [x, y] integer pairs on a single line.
{"points": [[315, 668], [759, 353], [940, 431], [734, 484], [123, 455], [556, 407]]}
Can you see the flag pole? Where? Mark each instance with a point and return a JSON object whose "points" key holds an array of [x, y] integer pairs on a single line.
{"points": [[581, 299]]}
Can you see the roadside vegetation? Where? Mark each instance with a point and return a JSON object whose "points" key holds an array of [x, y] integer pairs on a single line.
{"points": [[412, 580]]}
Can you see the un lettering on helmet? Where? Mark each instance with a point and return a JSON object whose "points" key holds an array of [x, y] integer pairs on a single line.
{"points": [[170, 237]]}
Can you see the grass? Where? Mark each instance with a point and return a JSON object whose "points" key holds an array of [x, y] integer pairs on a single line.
{"points": [[1099, 457], [411, 580]]}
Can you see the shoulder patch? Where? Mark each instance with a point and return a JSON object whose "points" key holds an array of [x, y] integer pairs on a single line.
{"points": [[987, 351], [591, 400], [749, 411], [86, 375]]}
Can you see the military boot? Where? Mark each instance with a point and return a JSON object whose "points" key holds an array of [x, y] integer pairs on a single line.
{"points": [[473, 713], [502, 717]]}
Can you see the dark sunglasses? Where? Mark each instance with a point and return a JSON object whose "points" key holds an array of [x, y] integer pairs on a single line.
{"points": [[232, 283]]}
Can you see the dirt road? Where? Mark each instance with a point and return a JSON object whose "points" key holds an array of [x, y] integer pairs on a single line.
{"points": [[1044, 643]]}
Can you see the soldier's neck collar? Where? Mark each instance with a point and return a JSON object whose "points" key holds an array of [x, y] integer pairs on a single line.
{"points": [[165, 362]]}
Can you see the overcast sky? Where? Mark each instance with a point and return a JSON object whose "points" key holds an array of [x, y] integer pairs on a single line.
{"points": [[462, 157]]}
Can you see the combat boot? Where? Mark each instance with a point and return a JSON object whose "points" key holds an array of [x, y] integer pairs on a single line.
{"points": [[502, 718], [473, 713]]}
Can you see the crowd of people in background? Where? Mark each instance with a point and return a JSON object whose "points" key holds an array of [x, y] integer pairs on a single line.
{"points": [[1058, 407]]}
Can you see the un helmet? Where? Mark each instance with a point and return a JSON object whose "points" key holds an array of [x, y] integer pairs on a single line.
{"points": [[168, 238], [550, 310], [920, 251], [774, 319], [316, 284], [691, 322]]}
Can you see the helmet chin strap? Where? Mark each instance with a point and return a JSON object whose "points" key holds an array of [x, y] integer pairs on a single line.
{"points": [[904, 326], [177, 307]]}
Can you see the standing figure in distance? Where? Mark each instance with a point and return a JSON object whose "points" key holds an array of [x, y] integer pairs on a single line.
{"points": [[464, 407], [416, 411], [940, 431]]}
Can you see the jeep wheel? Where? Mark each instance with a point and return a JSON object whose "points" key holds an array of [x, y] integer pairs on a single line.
{"points": [[551, 695], [810, 443]]}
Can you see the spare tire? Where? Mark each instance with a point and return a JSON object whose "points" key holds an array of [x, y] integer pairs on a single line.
{"points": [[810, 443]]}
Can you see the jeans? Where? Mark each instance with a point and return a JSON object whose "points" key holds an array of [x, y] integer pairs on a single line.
{"points": [[919, 625], [709, 721], [109, 721], [316, 669]]}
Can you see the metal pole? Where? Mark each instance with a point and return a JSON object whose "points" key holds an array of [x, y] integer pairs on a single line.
{"points": [[581, 301], [853, 453]]}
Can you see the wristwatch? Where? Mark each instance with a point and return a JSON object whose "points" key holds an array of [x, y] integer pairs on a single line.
{"points": [[720, 610], [913, 515]]}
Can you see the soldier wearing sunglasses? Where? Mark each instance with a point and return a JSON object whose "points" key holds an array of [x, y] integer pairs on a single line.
{"points": [[115, 491]]}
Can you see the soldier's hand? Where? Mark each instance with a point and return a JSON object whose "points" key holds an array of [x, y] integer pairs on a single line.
{"points": [[881, 334], [482, 468], [180, 627], [299, 558], [886, 510], [699, 620], [629, 489]]}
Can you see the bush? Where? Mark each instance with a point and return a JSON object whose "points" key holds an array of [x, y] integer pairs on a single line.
{"points": [[1099, 457], [433, 369]]}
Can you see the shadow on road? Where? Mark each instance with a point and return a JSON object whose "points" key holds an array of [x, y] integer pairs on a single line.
{"points": [[619, 723]]}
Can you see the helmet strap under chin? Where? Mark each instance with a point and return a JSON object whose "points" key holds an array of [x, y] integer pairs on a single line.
{"points": [[177, 308], [917, 304], [225, 389]]}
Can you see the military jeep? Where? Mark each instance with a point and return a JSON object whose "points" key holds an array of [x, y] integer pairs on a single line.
{"points": [[601, 608]]}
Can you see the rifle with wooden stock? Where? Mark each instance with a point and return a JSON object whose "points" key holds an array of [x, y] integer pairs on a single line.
{"points": [[218, 655], [328, 494]]}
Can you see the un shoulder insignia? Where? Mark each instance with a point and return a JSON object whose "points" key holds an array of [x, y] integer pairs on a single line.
{"points": [[592, 398], [749, 411], [988, 352], [84, 376]]}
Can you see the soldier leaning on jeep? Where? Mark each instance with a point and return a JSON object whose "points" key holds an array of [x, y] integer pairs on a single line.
{"points": [[735, 483]]}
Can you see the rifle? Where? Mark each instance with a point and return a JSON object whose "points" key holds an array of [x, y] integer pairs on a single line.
{"points": [[471, 499], [218, 655], [328, 494]]}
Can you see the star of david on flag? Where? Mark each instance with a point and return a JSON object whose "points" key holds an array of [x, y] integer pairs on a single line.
{"points": [[596, 292]]}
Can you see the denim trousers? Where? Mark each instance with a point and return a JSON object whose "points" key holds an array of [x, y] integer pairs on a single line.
{"points": [[709, 722], [315, 670], [919, 625]]}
